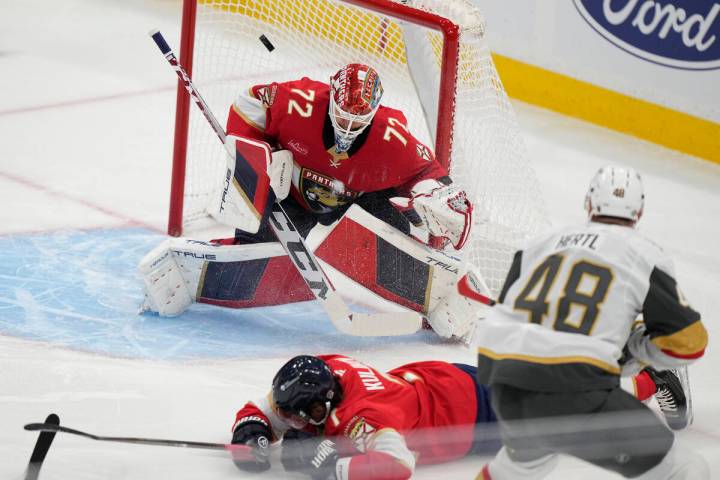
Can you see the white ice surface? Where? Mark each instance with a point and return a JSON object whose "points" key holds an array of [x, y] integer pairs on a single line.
{"points": [[86, 120]]}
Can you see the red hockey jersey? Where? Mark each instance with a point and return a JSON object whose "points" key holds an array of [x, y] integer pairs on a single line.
{"points": [[421, 413], [294, 116]]}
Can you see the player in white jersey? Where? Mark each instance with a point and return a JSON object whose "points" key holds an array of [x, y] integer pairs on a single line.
{"points": [[551, 348]]}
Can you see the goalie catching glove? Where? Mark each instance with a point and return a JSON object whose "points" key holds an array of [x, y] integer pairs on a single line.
{"points": [[444, 210]]}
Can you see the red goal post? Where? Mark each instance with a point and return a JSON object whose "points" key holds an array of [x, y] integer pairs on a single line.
{"points": [[457, 104]]}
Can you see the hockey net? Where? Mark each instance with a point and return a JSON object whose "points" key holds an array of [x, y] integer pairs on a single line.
{"points": [[434, 65]]}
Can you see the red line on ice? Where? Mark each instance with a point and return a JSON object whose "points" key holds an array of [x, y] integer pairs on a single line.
{"points": [[42, 188], [83, 101]]}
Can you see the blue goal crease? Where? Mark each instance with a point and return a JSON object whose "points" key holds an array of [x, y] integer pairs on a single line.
{"points": [[82, 290]]}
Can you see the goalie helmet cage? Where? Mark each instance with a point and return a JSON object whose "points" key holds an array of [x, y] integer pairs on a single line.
{"points": [[434, 65]]}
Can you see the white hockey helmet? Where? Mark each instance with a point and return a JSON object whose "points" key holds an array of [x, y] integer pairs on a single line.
{"points": [[616, 192], [355, 93]]}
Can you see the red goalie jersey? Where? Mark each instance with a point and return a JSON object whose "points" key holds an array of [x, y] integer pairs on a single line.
{"points": [[423, 413], [294, 116]]}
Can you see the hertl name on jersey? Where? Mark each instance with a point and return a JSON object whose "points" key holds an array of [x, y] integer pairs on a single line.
{"points": [[587, 240]]}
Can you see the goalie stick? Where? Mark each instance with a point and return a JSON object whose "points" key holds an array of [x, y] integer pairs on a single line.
{"points": [[352, 323], [41, 448]]}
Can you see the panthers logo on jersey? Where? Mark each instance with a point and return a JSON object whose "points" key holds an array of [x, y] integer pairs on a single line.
{"points": [[323, 194]]}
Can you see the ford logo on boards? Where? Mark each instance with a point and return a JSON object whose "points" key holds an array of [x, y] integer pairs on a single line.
{"points": [[675, 33]]}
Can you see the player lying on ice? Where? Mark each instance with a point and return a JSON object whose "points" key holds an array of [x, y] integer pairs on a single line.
{"points": [[335, 146], [341, 419], [552, 348]]}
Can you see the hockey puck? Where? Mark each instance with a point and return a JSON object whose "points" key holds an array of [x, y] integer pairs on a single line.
{"points": [[267, 43]]}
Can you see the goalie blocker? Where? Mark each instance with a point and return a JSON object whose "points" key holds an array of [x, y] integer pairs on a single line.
{"points": [[369, 261], [254, 177]]}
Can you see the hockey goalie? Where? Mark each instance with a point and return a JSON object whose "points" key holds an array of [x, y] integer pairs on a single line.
{"points": [[369, 198]]}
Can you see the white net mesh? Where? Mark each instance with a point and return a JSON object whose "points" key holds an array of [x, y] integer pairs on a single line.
{"points": [[314, 38]]}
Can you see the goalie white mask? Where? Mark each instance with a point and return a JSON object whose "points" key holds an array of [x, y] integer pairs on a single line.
{"points": [[616, 192], [355, 93]]}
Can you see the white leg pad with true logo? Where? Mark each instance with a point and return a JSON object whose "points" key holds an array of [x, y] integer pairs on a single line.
{"points": [[172, 271]]}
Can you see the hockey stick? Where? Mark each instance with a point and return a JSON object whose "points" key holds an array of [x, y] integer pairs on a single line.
{"points": [[236, 450], [362, 324], [466, 289], [42, 446]]}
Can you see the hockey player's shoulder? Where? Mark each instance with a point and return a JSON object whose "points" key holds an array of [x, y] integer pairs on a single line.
{"points": [[390, 118], [554, 236], [589, 236], [307, 85], [304, 89], [652, 253], [384, 113], [647, 243], [391, 128]]}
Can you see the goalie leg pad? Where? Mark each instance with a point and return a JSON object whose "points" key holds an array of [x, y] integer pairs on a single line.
{"points": [[165, 289], [388, 263], [181, 271]]}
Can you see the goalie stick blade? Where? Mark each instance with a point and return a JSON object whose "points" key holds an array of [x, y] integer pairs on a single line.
{"points": [[42, 446], [369, 324]]}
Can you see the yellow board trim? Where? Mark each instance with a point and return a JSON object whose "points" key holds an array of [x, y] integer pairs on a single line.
{"points": [[344, 24], [664, 126], [550, 360]]}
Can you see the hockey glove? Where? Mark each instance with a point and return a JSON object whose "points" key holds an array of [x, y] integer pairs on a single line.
{"points": [[310, 454], [255, 433], [444, 209], [629, 365]]}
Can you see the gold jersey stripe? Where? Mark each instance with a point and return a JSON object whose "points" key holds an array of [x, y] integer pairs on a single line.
{"points": [[688, 341], [550, 360]]}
